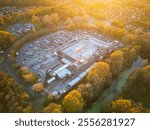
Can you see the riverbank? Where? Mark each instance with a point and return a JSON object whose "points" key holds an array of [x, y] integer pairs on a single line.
{"points": [[116, 88]]}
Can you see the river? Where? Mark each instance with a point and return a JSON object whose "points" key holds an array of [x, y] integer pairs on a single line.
{"points": [[116, 87]]}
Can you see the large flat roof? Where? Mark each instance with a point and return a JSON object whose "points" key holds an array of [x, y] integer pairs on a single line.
{"points": [[81, 50]]}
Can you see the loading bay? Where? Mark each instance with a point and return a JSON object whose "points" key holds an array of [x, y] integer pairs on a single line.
{"points": [[62, 59]]}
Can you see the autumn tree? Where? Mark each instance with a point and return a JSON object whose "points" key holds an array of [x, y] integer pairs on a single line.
{"points": [[24, 3], [121, 105], [118, 23], [73, 102], [130, 38], [12, 97], [28, 76], [6, 39], [137, 87], [145, 48], [36, 21], [38, 87], [24, 70], [48, 99], [126, 106], [130, 54], [1, 21], [53, 108], [118, 33], [94, 78], [87, 92], [101, 70], [117, 60], [28, 109], [134, 53]]}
